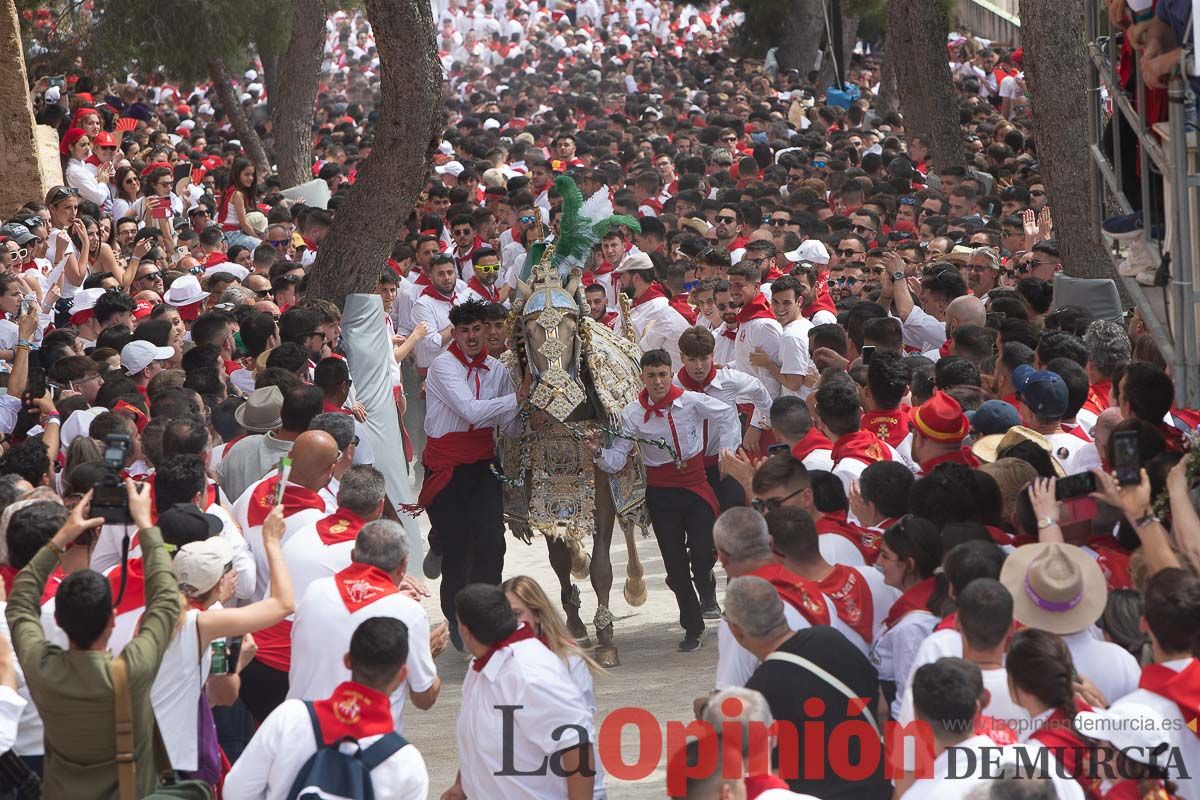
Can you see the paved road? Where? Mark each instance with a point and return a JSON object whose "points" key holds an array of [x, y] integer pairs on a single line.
{"points": [[653, 675]]}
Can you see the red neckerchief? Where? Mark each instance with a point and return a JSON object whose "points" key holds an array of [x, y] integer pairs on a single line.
{"points": [[52, 583], [309, 243], [422, 279], [135, 586], [362, 584], [522, 633], [140, 420], [944, 350], [394, 265], [852, 598], [696, 386], [1173, 435], [656, 409], [340, 526], [823, 302], [862, 446], [679, 303], [755, 309], [948, 622], [8, 574], [653, 292], [866, 540], [800, 593], [1182, 688], [329, 408], [354, 711], [773, 274], [1113, 561], [891, 425], [489, 293], [813, 440], [1077, 431], [475, 364], [730, 332], [1098, 394], [432, 291], [916, 598], [295, 498], [961, 456], [609, 318], [757, 784], [995, 729]]}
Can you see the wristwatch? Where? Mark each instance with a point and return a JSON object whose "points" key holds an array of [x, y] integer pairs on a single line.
{"points": [[1046, 522], [1146, 519]]}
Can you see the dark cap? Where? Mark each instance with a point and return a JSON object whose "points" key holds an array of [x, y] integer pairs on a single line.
{"points": [[183, 523], [1043, 391]]}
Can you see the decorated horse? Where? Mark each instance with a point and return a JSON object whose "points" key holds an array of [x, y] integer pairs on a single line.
{"points": [[579, 375]]}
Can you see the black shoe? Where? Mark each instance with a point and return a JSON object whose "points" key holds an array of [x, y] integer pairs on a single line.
{"points": [[432, 566], [456, 638], [690, 643], [710, 610]]}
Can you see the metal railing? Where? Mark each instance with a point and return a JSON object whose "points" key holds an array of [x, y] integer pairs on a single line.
{"points": [[1165, 150], [995, 21]]}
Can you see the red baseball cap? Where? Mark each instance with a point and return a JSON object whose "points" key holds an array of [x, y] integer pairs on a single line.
{"points": [[104, 139]]}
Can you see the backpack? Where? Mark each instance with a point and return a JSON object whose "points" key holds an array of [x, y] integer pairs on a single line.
{"points": [[333, 772]]}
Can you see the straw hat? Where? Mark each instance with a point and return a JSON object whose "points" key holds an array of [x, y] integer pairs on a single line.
{"points": [[1055, 587], [987, 448]]}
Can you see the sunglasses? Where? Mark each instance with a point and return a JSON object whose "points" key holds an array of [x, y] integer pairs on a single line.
{"points": [[151, 276], [847, 282], [769, 504], [863, 229], [728, 138], [525, 220], [59, 193], [263, 294], [19, 253], [848, 253], [908, 201], [278, 243], [463, 232], [1037, 193], [316, 333], [488, 267], [727, 220], [779, 223]]}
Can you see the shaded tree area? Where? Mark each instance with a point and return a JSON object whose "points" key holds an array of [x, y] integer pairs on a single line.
{"points": [[406, 137]]}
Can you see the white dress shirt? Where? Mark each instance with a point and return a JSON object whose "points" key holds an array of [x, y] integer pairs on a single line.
{"points": [[733, 387], [657, 325], [321, 637], [458, 402], [284, 743], [1180, 735], [435, 313], [1111, 667], [681, 425], [525, 674], [758, 334], [724, 348], [922, 331], [794, 358], [895, 648]]}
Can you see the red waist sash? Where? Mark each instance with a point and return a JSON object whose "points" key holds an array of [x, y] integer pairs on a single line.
{"points": [[692, 477]]}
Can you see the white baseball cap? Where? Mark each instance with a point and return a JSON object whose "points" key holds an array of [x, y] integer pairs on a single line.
{"points": [[635, 261], [454, 168], [199, 565], [809, 250], [137, 355], [490, 124]]}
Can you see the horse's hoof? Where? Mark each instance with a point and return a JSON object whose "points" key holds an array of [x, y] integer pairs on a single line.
{"points": [[607, 656], [581, 564], [635, 591], [578, 630]]}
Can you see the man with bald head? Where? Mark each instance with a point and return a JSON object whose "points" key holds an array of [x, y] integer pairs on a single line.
{"points": [[965, 310], [1092, 455], [306, 500]]}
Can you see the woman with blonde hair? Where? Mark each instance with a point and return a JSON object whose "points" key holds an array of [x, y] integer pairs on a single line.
{"points": [[532, 607]]}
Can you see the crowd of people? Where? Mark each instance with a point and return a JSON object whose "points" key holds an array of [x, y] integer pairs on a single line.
{"points": [[883, 460]]}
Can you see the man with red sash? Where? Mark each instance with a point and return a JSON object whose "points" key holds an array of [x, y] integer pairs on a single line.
{"points": [[700, 374], [1171, 685], [744, 548], [676, 481], [757, 328], [520, 705], [939, 427], [371, 584], [839, 414], [468, 394], [305, 500], [886, 415], [359, 709], [655, 324], [861, 596]]}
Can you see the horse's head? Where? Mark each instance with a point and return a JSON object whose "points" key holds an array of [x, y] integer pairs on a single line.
{"points": [[550, 326]]}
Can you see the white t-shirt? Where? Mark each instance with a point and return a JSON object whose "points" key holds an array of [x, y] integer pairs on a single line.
{"points": [[175, 693], [284, 742], [321, 634]]}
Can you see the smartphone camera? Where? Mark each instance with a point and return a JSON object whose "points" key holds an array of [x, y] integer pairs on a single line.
{"points": [[868, 352], [1127, 458], [109, 498]]}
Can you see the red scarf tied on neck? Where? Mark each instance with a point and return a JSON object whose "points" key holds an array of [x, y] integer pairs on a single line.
{"points": [[489, 293], [354, 711], [823, 302], [656, 409], [916, 598], [653, 292], [340, 526], [432, 291], [862, 446], [522, 633], [362, 584], [295, 498], [474, 365], [758, 308], [693, 385], [1182, 688], [813, 440]]}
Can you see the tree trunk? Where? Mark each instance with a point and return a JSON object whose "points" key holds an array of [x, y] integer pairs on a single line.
{"points": [[1056, 72], [888, 99], [270, 74], [292, 108], [916, 32], [247, 135], [19, 157], [802, 34], [389, 180]]}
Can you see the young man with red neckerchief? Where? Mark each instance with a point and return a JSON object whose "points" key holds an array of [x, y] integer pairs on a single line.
{"points": [[612, 250], [485, 277], [358, 708], [468, 395], [700, 374], [886, 415], [465, 245], [655, 324], [433, 307], [839, 416], [757, 328], [520, 704], [371, 584], [680, 501]]}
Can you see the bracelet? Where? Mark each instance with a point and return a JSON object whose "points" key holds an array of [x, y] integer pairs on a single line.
{"points": [[48, 418], [1145, 520], [58, 551], [28, 345]]}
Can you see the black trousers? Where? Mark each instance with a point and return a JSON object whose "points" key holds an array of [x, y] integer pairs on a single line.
{"points": [[263, 689], [468, 516], [728, 490], [683, 526]]}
